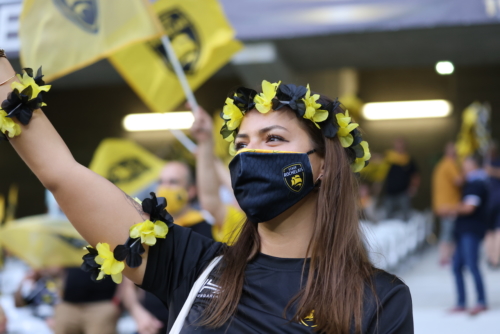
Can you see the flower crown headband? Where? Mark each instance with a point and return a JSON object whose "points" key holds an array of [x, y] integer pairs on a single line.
{"points": [[330, 118]]}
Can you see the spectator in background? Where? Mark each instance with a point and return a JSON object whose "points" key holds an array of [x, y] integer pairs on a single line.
{"points": [[367, 204], [3, 321], [402, 180], [177, 184], [447, 180], [492, 240], [39, 290], [470, 228], [87, 307]]}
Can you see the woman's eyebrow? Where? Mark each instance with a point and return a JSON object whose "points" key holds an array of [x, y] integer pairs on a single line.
{"points": [[272, 127], [263, 130]]}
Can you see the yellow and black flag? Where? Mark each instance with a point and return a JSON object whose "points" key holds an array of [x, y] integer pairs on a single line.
{"points": [[129, 166], [66, 35], [203, 41]]}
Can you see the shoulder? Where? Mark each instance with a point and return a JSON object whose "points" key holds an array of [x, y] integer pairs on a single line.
{"points": [[388, 307], [386, 285]]}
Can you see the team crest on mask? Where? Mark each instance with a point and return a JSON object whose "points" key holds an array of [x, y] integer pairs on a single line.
{"points": [[81, 13], [183, 37], [293, 175]]}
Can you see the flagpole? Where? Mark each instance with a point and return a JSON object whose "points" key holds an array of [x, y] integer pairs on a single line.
{"points": [[172, 57]]}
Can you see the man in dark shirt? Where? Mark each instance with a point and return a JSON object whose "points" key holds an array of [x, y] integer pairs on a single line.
{"points": [[401, 182], [87, 307], [470, 228]]}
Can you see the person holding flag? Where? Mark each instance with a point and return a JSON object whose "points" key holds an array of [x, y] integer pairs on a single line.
{"points": [[299, 264]]}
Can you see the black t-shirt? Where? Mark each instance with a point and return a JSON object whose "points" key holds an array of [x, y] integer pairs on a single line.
{"points": [[399, 177], [79, 287], [175, 263], [203, 228], [476, 222], [156, 307]]}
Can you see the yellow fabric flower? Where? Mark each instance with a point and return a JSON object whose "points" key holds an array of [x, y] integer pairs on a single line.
{"points": [[230, 138], [8, 126], [345, 128], [232, 113], [149, 231], [359, 163], [25, 81], [313, 112], [109, 265], [264, 101], [232, 149]]}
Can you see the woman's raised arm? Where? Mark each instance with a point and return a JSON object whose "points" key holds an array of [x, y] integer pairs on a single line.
{"points": [[98, 209]]}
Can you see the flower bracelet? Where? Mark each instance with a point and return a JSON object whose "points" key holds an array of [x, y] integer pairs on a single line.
{"points": [[101, 261], [26, 96]]}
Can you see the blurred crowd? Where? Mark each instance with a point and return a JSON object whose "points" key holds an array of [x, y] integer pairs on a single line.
{"points": [[200, 198]]}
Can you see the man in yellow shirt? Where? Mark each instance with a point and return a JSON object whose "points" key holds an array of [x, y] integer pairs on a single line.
{"points": [[447, 179]]}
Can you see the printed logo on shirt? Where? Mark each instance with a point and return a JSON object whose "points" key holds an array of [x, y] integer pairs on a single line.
{"points": [[208, 290], [294, 176], [309, 320]]}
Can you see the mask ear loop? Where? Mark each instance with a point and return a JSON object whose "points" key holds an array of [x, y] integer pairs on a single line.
{"points": [[317, 184]]}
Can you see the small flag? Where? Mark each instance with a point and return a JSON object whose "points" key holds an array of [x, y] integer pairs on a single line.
{"points": [[202, 39], [129, 166], [66, 35]]}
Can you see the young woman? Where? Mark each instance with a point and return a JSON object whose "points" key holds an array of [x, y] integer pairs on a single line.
{"points": [[299, 264]]}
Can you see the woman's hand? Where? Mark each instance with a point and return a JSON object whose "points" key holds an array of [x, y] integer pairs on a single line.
{"points": [[202, 127]]}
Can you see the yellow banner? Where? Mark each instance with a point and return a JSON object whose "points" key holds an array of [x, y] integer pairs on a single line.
{"points": [[66, 35], [43, 241], [126, 164], [202, 39]]}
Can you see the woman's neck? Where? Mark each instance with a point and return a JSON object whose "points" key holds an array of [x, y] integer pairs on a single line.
{"points": [[289, 234]]}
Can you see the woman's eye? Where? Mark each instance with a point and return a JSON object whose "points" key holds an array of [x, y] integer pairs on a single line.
{"points": [[240, 145], [275, 138]]}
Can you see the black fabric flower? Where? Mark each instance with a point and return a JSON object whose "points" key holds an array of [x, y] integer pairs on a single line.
{"points": [[291, 95], [131, 251], [330, 126], [155, 207], [243, 98], [89, 265], [358, 138], [20, 106]]}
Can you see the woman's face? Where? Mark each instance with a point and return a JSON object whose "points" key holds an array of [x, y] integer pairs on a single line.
{"points": [[277, 130]]}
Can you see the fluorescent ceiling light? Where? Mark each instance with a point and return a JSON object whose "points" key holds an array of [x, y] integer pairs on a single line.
{"points": [[407, 109], [445, 67], [258, 53], [158, 121]]}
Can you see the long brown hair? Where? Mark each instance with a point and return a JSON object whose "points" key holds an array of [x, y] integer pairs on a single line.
{"points": [[339, 268]]}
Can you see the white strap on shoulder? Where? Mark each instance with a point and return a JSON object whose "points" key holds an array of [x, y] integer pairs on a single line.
{"points": [[179, 322]]}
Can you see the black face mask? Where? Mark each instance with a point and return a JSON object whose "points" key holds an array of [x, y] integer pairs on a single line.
{"points": [[267, 184]]}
